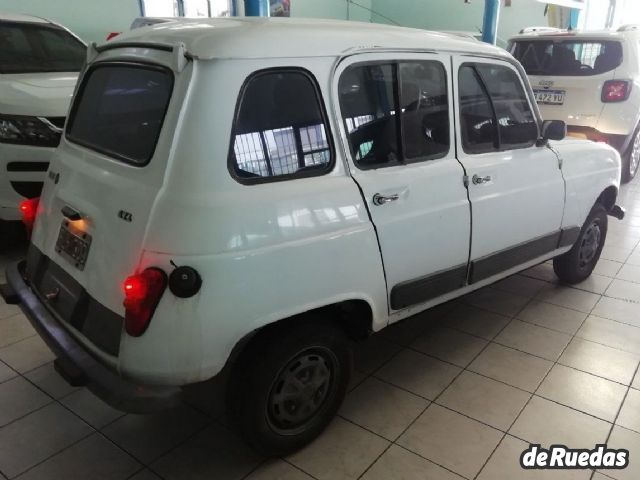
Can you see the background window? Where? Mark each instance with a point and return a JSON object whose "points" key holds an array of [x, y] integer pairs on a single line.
{"points": [[479, 133], [280, 129], [425, 110]]}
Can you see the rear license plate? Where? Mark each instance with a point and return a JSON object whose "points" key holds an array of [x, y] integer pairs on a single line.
{"points": [[550, 97], [73, 245]]}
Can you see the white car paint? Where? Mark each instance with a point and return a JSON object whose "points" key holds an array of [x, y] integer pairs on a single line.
{"points": [[267, 252], [37, 94]]}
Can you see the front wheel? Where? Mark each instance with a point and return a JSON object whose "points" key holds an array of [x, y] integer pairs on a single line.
{"points": [[578, 263], [631, 160], [289, 384]]}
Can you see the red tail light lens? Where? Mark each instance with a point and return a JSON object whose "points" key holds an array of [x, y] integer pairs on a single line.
{"points": [[616, 91], [112, 35], [28, 210], [142, 293]]}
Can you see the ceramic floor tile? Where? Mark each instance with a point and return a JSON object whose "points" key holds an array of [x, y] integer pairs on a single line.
{"points": [[594, 283], [8, 310], [145, 474], [418, 373], [569, 298], [18, 398], [90, 408], [544, 271], [521, 285], [616, 254], [6, 372], [552, 316], [548, 423], [636, 381], [607, 268], [147, 437], [94, 457], [533, 339], [382, 408], [451, 440], [583, 391], [15, 328], [26, 354], [497, 301], [398, 463], [600, 360], [485, 400], [475, 321], [277, 469], [372, 353], [215, 452], [47, 379], [623, 438], [511, 366], [450, 345], [406, 331], [611, 333], [505, 465], [624, 290], [630, 273], [34, 438], [619, 310], [630, 413], [343, 451]]}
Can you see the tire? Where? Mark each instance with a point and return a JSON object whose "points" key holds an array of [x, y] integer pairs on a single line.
{"points": [[272, 396], [578, 263], [631, 159]]}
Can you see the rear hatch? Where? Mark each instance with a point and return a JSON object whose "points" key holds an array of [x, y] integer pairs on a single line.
{"points": [[100, 193], [568, 73]]}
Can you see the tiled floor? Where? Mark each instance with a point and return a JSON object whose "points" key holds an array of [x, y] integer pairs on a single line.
{"points": [[457, 392]]}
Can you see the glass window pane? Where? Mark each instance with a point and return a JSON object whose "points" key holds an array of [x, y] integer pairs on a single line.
{"points": [[275, 136], [479, 133], [425, 110], [368, 106], [516, 121]]}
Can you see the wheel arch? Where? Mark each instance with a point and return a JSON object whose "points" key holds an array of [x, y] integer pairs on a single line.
{"points": [[608, 197]]}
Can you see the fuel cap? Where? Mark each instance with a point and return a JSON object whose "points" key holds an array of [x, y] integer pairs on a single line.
{"points": [[184, 282]]}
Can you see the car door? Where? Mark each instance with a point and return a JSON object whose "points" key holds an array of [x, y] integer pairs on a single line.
{"points": [[515, 186], [396, 120]]}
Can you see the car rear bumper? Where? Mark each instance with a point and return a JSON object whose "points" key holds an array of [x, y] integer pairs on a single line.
{"points": [[619, 142], [75, 363]]}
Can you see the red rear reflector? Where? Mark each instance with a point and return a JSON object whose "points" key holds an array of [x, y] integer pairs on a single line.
{"points": [[29, 210], [112, 35], [616, 91], [142, 293]]}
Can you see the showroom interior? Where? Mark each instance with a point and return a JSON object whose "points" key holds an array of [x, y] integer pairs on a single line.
{"points": [[193, 288]]}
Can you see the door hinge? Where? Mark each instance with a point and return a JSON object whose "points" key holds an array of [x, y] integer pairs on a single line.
{"points": [[465, 181]]}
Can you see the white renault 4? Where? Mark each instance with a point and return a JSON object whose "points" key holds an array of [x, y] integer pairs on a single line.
{"points": [[222, 199], [591, 81], [39, 65]]}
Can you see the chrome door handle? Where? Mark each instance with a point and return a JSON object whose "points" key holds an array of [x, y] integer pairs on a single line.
{"points": [[477, 180], [382, 199]]}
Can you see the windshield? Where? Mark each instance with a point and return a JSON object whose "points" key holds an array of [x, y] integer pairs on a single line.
{"points": [[567, 57], [34, 48]]}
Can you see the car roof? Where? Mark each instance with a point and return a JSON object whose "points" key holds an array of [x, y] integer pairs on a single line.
{"points": [[18, 17], [244, 37]]}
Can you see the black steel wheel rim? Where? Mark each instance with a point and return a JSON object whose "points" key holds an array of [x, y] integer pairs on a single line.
{"points": [[589, 244], [301, 389]]}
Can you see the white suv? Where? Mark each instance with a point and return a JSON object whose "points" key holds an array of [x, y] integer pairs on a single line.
{"points": [[222, 199], [39, 65], [590, 80]]}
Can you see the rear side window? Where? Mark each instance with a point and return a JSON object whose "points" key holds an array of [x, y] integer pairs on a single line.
{"points": [[119, 110], [567, 57], [280, 129], [494, 109]]}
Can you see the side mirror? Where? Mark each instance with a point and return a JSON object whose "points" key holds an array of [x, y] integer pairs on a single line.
{"points": [[552, 130]]}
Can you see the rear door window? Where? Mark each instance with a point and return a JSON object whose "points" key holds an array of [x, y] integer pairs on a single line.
{"points": [[567, 57], [119, 110], [280, 130]]}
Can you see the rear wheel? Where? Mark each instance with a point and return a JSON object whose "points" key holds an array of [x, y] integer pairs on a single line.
{"points": [[632, 159], [289, 384], [578, 263]]}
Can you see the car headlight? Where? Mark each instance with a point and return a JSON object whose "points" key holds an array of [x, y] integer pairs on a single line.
{"points": [[22, 130]]}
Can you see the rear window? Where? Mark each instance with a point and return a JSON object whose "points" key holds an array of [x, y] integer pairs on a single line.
{"points": [[34, 48], [119, 110], [567, 57]]}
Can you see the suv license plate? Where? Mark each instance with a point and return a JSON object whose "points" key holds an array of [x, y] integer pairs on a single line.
{"points": [[550, 97], [73, 244]]}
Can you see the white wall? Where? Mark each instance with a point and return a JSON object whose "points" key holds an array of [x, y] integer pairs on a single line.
{"points": [[91, 20]]}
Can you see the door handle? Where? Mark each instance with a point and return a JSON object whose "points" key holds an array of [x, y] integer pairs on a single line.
{"points": [[383, 199], [478, 180]]}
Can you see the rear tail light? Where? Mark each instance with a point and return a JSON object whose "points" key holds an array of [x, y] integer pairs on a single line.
{"points": [[112, 35], [29, 210], [616, 91], [142, 293]]}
